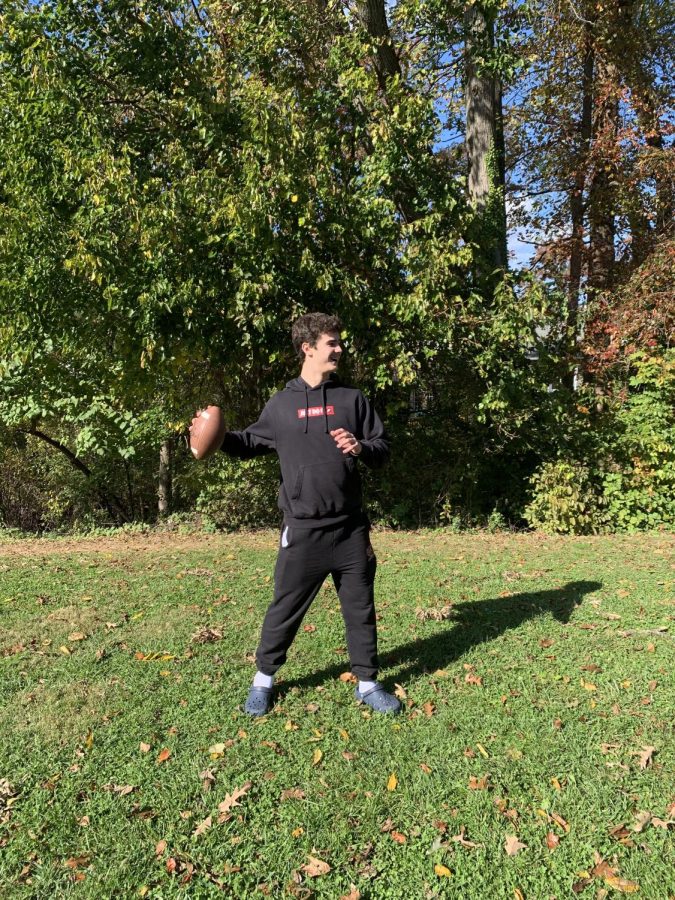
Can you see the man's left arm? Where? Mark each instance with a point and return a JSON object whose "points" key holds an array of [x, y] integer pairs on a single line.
{"points": [[374, 442]]}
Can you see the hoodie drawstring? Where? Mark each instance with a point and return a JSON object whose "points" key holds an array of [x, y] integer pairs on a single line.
{"points": [[325, 410]]}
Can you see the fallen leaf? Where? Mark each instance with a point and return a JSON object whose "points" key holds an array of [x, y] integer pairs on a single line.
{"points": [[623, 885], [233, 799], [400, 692], [348, 755], [602, 869], [317, 756], [348, 678], [483, 752], [344, 734], [478, 784], [123, 789], [297, 832], [398, 837], [77, 636], [513, 846], [470, 678], [309, 628], [556, 784], [561, 822], [392, 782], [83, 822], [315, 867], [646, 756], [203, 826], [160, 848], [425, 768], [461, 839], [442, 871], [354, 894], [143, 747], [546, 642], [642, 819], [76, 862], [171, 865], [552, 840], [163, 755], [217, 750]]}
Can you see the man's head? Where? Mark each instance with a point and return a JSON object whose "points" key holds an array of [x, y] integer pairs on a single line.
{"points": [[309, 328], [317, 341]]}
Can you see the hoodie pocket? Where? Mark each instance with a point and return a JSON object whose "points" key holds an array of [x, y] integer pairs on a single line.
{"points": [[326, 489]]}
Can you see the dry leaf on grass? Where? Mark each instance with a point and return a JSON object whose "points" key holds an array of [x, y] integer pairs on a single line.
{"points": [[292, 794], [398, 837], [207, 635], [442, 871], [392, 782], [552, 840], [232, 800], [160, 848], [203, 826], [646, 756], [315, 867], [478, 784], [512, 845], [348, 678], [163, 755]]}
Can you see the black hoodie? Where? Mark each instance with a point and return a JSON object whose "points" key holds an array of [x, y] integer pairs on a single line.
{"points": [[320, 485]]}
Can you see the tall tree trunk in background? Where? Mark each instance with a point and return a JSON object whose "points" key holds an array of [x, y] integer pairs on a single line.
{"points": [[601, 199], [629, 52], [165, 479], [373, 17], [580, 175], [484, 136]]}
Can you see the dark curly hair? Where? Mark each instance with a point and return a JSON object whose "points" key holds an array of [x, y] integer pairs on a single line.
{"points": [[310, 327]]}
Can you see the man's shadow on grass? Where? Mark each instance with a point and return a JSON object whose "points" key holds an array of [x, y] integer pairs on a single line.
{"points": [[469, 624]]}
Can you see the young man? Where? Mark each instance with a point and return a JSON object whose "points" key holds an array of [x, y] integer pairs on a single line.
{"points": [[319, 429]]}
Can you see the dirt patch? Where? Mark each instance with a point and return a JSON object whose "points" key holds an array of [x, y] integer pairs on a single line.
{"points": [[137, 543]]}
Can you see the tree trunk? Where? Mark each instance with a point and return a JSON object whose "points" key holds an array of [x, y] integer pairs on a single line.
{"points": [[484, 136], [165, 479], [373, 17], [602, 192], [577, 194]]}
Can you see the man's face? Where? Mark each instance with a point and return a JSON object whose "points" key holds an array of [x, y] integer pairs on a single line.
{"points": [[325, 357]]}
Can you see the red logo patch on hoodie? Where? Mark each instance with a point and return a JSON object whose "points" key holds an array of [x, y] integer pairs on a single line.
{"points": [[313, 411]]}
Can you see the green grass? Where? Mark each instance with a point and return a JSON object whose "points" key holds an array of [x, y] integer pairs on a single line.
{"points": [[499, 691]]}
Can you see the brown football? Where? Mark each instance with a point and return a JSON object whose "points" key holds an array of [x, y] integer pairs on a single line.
{"points": [[207, 432]]}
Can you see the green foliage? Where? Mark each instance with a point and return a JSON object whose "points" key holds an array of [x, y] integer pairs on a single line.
{"points": [[625, 478], [564, 500], [238, 494]]}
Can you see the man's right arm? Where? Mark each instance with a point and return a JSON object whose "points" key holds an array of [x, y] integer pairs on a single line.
{"points": [[256, 440]]}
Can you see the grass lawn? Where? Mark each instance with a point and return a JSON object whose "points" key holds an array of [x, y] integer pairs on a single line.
{"points": [[535, 758]]}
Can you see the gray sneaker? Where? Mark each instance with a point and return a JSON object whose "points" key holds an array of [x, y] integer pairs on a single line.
{"points": [[379, 700]]}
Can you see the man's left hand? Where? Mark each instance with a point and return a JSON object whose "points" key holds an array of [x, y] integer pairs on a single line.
{"points": [[346, 441]]}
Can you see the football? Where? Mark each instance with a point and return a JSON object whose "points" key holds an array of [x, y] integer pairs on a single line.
{"points": [[207, 432]]}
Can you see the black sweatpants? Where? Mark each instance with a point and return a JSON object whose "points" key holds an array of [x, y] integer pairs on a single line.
{"points": [[306, 557]]}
